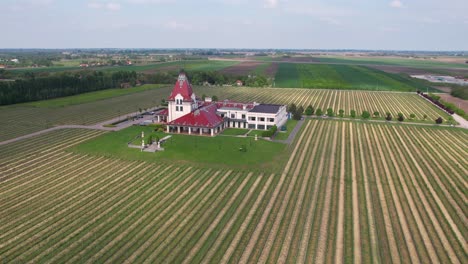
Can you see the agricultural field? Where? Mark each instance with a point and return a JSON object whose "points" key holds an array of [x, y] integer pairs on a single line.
{"points": [[406, 103], [348, 192], [344, 77], [22, 119]]}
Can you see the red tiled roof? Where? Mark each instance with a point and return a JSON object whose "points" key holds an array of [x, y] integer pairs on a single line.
{"points": [[203, 117], [182, 87], [162, 112]]}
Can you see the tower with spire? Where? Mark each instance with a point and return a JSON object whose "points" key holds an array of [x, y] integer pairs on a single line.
{"points": [[182, 100]]}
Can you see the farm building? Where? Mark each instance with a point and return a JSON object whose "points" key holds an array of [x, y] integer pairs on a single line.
{"points": [[188, 114]]}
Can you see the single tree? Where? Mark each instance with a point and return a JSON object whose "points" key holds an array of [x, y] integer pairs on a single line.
{"points": [[330, 112], [388, 117], [439, 120], [376, 114], [300, 110], [318, 112], [412, 116], [298, 114], [401, 117], [203, 97], [424, 117], [309, 110], [292, 108], [150, 140], [353, 113], [365, 114], [341, 112], [214, 98]]}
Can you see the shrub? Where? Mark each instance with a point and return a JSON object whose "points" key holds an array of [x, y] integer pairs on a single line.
{"points": [[150, 140], [412, 116], [270, 132], [353, 113], [292, 108], [319, 112], [439, 120], [376, 114], [309, 110], [214, 98], [330, 112], [365, 114], [424, 117], [341, 112]]}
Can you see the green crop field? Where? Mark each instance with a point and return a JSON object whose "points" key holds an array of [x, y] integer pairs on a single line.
{"points": [[346, 77], [405, 62], [348, 192]]}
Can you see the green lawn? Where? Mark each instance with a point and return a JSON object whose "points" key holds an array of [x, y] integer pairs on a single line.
{"points": [[290, 125], [92, 96], [216, 151], [234, 131], [347, 77]]}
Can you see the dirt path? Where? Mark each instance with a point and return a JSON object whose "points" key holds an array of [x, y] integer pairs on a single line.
{"points": [[322, 239], [339, 247], [355, 202], [256, 234]]}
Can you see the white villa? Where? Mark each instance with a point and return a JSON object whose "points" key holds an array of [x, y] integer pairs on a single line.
{"points": [[190, 115]]}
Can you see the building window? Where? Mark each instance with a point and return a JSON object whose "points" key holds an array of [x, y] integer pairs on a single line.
{"points": [[177, 108], [252, 118], [243, 116], [181, 109], [262, 119], [271, 120], [233, 115]]}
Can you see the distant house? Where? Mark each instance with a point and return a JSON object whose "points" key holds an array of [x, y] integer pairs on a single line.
{"points": [[125, 85], [239, 83], [2, 66], [129, 62], [84, 65], [14, 60]]}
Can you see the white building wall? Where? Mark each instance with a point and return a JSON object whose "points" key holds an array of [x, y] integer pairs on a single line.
{"points": [[175, 109]]}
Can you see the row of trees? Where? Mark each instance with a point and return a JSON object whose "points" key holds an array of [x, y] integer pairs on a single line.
{"points": [[32, 88], [310, 110]]}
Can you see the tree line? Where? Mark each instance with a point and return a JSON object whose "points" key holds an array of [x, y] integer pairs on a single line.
{"points": [[33, 88]]}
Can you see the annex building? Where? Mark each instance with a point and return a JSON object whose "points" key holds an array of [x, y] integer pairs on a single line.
{"points": [[190, 115]]}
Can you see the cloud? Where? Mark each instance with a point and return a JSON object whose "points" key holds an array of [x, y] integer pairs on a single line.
{"points": [[270, 3], [108, 6], [396, 4], [149, 1]]}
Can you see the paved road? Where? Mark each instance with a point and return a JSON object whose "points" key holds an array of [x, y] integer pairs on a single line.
{"points": [[293, 133], [461, 121], [98, 126]]}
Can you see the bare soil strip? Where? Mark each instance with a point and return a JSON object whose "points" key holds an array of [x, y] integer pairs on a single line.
{"points": [[170, 207], [339, 247], [369, 206], [428, 209], [245, 223], [228, 226], [322, 239], [286, 244], [274, 230], [419, 223], [256, 234], [441, 206], [401, 215], [304, 244], [388, 225], [356, 227]]}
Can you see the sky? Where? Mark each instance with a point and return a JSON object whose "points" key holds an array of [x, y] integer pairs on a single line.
{"points": [[280, 24]]}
